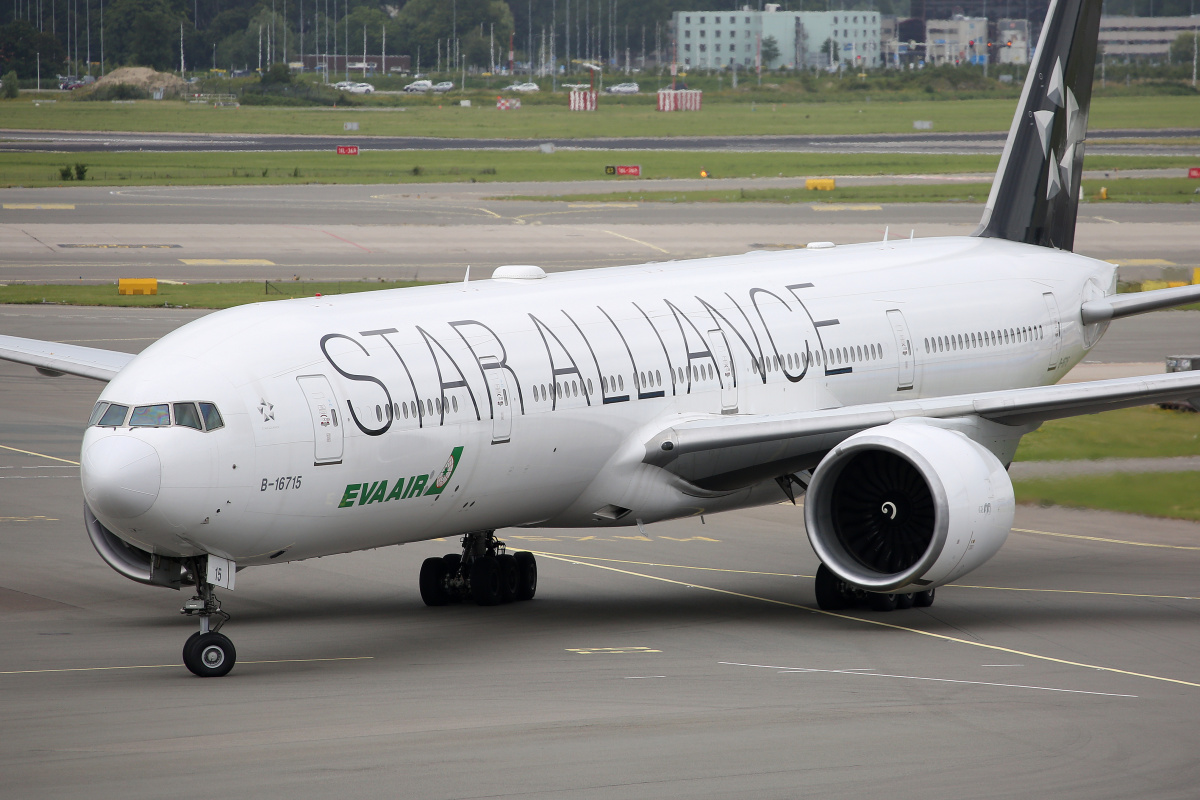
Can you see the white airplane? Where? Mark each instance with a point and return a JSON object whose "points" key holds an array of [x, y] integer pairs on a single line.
{"points": [[890, 380]]}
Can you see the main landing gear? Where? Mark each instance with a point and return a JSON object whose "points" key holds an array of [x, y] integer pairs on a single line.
{"points": [[207, 653], [483, 572], [834, 594]]}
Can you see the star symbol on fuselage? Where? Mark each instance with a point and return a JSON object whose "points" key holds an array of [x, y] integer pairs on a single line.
{"points": [[267, 410]]}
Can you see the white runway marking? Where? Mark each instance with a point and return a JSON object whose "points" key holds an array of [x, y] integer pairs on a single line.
{"points": [[799, 670]]}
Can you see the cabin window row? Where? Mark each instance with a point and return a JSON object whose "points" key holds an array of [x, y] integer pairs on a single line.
{"points": [[417, 408], [993, 338], [198, 416]]}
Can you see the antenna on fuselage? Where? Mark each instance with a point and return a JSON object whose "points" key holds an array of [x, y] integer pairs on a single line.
{"points": [[885, 232], [467, 277]]}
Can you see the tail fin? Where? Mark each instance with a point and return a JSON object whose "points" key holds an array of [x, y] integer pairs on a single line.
{"points": [[1035, 194]]}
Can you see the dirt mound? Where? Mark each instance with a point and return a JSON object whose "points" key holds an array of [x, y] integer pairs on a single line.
{"points": [[143, 78]]}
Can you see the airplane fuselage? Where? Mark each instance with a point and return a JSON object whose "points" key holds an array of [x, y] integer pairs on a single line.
{"points": [[380, 418]]}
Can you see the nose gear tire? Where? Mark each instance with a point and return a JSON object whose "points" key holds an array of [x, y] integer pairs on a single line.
{"points": [[209, 655]]}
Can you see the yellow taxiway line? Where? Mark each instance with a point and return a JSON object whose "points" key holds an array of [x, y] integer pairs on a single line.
{"points": [[39, 455], [1109, 541], [171, 666]]}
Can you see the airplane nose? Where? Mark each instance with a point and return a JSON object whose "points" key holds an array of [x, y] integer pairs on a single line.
{"points": [[121, 476]]}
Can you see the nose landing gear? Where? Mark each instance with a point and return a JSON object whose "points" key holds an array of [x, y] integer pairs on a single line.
{"points": [[484, 572], [207, 653]]}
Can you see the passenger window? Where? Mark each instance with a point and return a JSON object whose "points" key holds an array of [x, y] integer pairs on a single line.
{"points": [[97, 412], [156, 416], [187, 417], [213, 421], [113, 416]]}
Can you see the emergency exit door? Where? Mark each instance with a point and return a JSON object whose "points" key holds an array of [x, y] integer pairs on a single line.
{"points": [[327, 428]]}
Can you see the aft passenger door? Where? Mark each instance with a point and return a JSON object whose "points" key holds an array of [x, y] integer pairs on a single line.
{"points": [[1053, 330], [906, 355], [501, 399], [327, 428]]}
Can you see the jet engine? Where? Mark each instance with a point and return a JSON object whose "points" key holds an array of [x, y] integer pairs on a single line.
{"points": [[907, 507]]}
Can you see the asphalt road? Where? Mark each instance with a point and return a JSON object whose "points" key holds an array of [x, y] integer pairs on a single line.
{"points": [[433, 231], [686, 663], [1100, 142]]}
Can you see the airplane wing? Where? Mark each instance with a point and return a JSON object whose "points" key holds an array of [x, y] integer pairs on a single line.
{"points": [[723, 452], [54, 358]]}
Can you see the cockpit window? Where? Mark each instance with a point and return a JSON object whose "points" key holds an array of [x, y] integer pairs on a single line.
{"points": [[156, 416], [97, 412], [186, 415], [113, 416], [212, 417]]}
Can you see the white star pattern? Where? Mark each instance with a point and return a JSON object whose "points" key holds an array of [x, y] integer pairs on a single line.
{"points": [[267, 410]]}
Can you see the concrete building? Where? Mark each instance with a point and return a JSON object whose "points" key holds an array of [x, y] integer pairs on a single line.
{"points": [[1012, 39], [961, 40], [718, 39], [1142, 37]]}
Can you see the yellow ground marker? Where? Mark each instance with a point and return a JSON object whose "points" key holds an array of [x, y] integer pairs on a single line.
{"points": [[844, 207], [609, 651], [877, 623], [39, 206], [602, 205], [227, 262], [39, 455]]}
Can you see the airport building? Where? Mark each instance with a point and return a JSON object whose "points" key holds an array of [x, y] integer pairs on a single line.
{"points": [[1143, 37], [805, 39]]}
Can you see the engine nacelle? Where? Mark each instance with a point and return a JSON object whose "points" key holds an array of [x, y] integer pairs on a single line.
{"points": [[908, 507]]}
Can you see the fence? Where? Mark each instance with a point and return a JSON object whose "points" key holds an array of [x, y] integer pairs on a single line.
{"points": [[583, 100], [679, 99]]}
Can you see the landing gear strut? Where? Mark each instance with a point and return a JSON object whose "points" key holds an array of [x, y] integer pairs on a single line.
{"points": [[207, 653], [834, 594], [484, 572]]}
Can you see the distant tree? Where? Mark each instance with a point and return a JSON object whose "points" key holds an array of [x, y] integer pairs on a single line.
{"points": [[423, 22], [831, 52], [20, 44], [277, 75], [145, 33], [11, 88], [770, 51], [1181, 49]]}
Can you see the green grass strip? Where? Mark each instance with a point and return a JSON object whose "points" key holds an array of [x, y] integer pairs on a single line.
{"points": [[1143, 432], [194, 295], [440, 166], [1175, 495], [420, 117]]}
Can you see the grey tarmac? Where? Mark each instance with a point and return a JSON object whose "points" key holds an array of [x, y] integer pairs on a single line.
{"points": [[433, 231], [688, 662]]}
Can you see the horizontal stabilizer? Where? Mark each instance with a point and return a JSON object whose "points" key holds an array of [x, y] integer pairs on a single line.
{"points": [[55, 358], [1126, 305]]}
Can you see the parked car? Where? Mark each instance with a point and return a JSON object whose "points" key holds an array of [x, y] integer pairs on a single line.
{"points": [[343, 85], [360, 88], [623, 88], [419, 86], [523, 87], [444, 86]]}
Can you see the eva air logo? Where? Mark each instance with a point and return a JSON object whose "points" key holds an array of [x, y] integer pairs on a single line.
{"points": [[364, 494]]}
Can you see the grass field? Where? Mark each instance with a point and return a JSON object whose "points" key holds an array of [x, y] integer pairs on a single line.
{"points": [[1143, 432], [409, 166], [195, 295], [555, 122], [1166, 494], [1123, 190]]}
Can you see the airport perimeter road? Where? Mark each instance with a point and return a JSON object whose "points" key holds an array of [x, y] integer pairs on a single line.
{"points": [[1100, 142], [434, 231], [684, 663]]}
